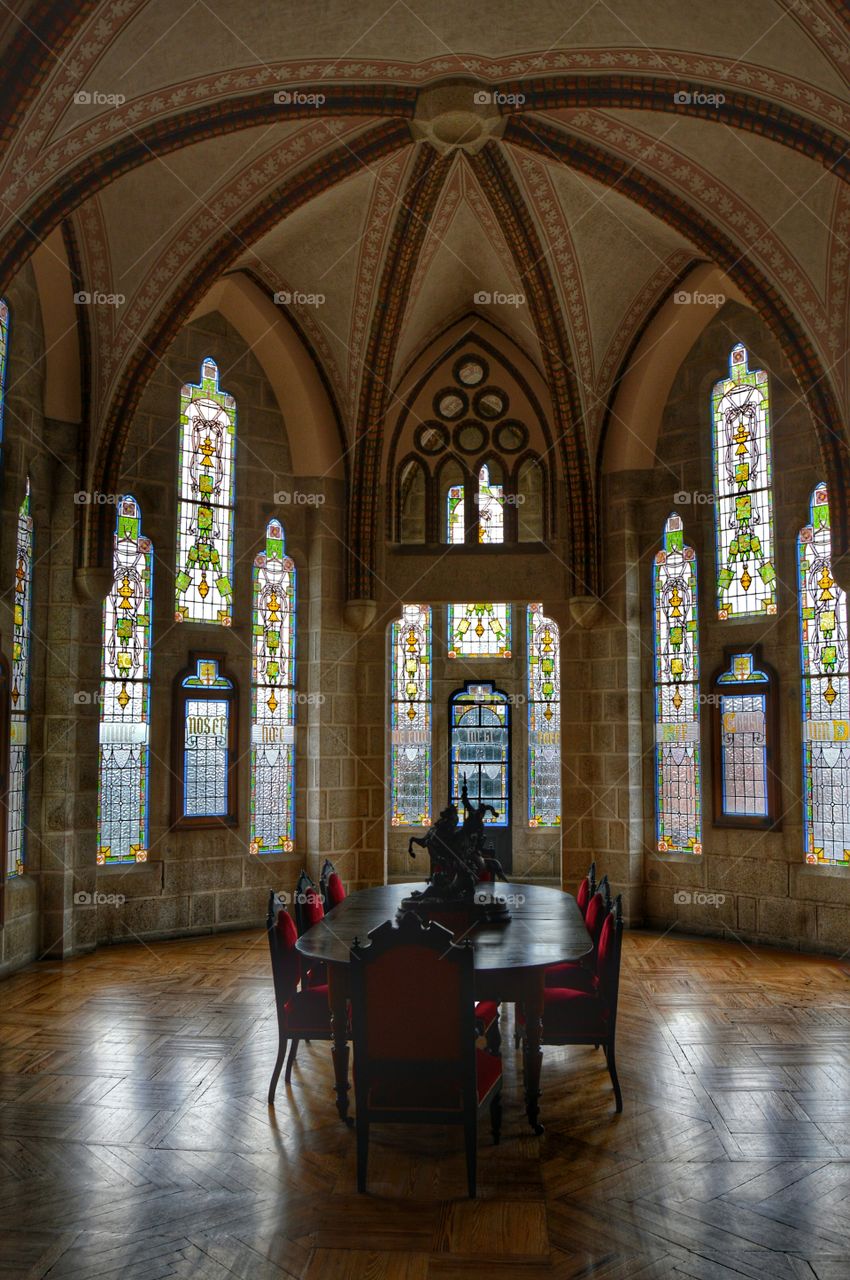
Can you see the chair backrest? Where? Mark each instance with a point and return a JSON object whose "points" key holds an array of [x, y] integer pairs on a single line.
{"points": [[309, 908], [333, 890], [608, 954], [583, 896], [286, 962], [594, 917], [412, 1012]]}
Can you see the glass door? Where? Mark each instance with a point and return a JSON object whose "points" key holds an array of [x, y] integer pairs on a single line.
{"points": [[480, 755]]}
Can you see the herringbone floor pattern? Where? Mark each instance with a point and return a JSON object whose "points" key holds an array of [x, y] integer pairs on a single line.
{"points": [[135, 1141]]}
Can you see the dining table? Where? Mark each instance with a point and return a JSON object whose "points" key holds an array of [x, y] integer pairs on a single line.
{"points": [[545, 928]]}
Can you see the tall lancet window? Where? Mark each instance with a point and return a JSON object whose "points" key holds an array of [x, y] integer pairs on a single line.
{"points": [[678, 804], [544, 720], [410, 717], [491, 512], [826, 692], [122, 807], [273, 698], [4, 360], [20, 692], [204, 579], [743, 509]]}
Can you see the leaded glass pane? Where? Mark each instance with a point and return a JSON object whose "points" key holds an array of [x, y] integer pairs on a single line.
{"points": [[826, 692], [491, 514], [480, 738], [455, 520], [205, 758], [273, 700], [4, 358], [677, 746], [479, 631], [203, 582], [544, 719], [410, 725], [19, 697], [743, 513], [122, 815], [743, 748]]}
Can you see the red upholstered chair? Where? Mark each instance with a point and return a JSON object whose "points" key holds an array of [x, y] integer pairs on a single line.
{"points": [[309, 910], [582, 973], [573, 1016], [586, 889], [333, 890], [301, 1014], [413, 1022]]}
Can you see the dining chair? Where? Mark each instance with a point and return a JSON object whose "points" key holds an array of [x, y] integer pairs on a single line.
{"points": [[425, 1068], [332, 888], [309, 910], [575, 1016], [301, 1014], [582, 973], [586, 889]]}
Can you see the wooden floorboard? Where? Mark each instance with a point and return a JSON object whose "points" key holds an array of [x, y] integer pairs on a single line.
{"points": [[135, 1140]]}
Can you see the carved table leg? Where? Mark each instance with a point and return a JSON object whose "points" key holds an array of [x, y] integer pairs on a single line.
{"points": [[337, 995], [533, 1055]]}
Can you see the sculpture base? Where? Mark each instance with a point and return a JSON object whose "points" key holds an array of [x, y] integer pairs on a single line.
{"points": [[485, 907]]}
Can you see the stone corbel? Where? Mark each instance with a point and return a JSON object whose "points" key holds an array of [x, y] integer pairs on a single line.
{"points": [[585, 611], [360, 614]]}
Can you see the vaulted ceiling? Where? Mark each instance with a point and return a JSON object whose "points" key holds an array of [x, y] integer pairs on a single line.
{"points": [[567, 165]]}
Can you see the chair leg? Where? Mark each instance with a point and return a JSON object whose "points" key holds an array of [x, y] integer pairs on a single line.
{"points": [[278, 1067], [496, 1117], [470, 1128], [290, 1061], [612, 1071], [362, 1150]]}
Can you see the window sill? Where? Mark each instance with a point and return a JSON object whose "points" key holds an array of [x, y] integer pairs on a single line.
{"points": [[473, 549], [826, 870]]}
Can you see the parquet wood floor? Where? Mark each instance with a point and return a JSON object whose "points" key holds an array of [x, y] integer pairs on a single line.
{"points": [[135, 1141]]}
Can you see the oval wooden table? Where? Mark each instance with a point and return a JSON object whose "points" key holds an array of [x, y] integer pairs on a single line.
{"points": [[546, 927]]}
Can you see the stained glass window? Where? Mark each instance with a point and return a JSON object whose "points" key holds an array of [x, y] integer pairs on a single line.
{"points": [[203, 582], [480, 750], [19, 735], [273, 700], [479, 631], [677, 745], [455, 520], [4, 358], [544, 719], [743, 511], [826, 692], [122, 807], [410, 718], [207, 717], [491, 513], [743, 739]]}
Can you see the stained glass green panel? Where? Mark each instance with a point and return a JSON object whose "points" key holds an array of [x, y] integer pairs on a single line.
{"points": [[826, 693], [743, 510], [203, 581], [273, 698], [122, 809], [544, 719], [479, 631], [678, 801], [410, 717], [19, 734]]}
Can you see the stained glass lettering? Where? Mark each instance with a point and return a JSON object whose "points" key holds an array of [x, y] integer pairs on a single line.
{"points": [[122, 809], [826, 693], [203, 582], [743, 513], [410, 717], [743, 740], [544, 719], [479, 631], [677, 739], [273, 701], [19, 736]]}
